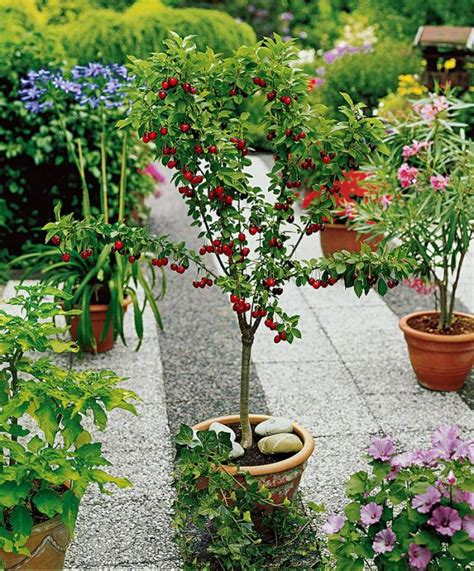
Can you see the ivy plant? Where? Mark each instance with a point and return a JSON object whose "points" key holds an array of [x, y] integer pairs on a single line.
{"points": [[49, 457], [186, 103]]}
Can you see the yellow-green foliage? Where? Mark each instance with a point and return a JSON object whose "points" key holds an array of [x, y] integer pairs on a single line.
{"points": [[18, 16], [111, 36]]}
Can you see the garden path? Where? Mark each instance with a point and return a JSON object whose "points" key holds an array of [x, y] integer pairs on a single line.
{"points": [[348, 378]]}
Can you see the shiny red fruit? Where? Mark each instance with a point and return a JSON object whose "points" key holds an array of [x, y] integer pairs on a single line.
{"points": [[56, 240], [118, 245], [66, 257]]}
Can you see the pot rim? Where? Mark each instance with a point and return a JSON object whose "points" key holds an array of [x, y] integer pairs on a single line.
{"points": [[265, 469], [407, 330], [102, 307]]}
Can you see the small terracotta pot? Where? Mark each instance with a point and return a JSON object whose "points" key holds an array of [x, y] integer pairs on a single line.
{"points": [[47, 544], [338, 237], [98, 314], [440, 362], [281, 478]]}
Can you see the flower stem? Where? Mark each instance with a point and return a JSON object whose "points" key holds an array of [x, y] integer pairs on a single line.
{"points": [[123, 178], [104, 198]]}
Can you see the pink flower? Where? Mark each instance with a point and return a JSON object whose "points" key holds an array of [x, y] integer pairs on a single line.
{"points": [[152, 171], [439, 182], [334, 524], [407, 175], [382, 448], [445, 520], [371, 513], [464, 497], [424, 502], [445, 440], [451, 479], [465, 450], [350, 210], [330, 57], [418, 556], [384, 541], [385, 201], [429, 111], [413, 149], [468, 525]]}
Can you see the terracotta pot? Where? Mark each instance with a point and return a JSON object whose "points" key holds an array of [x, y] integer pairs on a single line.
{"points": [[338, 237], [47, 544], [281, 478], [98, 315], [440, 362]]}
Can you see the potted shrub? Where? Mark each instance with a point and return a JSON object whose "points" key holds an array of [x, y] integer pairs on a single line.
{"points": [[430, 210], [100, 282], [49, 456], [188, 103], [348, 193], [412, 510]]}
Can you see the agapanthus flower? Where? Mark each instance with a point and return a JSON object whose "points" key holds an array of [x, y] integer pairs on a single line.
{"points": [[371, 513], [321, 70], [468, 526], [382, 448], [384, 541], [445, 520], [407, 175], [425, 502], [334, 524], [286, 16], [418, 556], [330, 57], [439, 182]]}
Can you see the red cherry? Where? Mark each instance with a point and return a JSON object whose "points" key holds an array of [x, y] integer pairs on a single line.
{"points": [[152, 135], [145, 138], [164, 261], [198, 150], [184, 127], [202, 250], [245, 251], [326, 160], [164, 131], [173, 267], [84, 254], [173, 81], [277, 339], [165, 85], [253, 230], [234, 298], [285, 99], [131, 259], [171, 164], [332, 280], [180, 269], [228, 200], [283, 335], [240, 144], [192, 90], [162, 95], [212, 149], [185, 87], [56, 240], [233, 92], [324, 284], [242, 237], [118, 245], [271, 95], [219, 190], [66, 257], [288, 132], [155, 262]]}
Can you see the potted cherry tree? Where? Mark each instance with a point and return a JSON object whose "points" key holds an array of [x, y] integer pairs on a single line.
{"points": [[430, 210], [187, 104]]}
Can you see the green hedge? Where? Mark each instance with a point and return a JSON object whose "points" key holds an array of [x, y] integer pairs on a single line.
{"points": [[367, 77], [111, 36]]}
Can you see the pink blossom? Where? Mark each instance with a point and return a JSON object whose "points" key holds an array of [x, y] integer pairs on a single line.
{"points": [[468, 525], [418, 556], [445, 520], [330, 57], [413, 149], [152, 171], [334, 524], [439, 182], [384, 541], [420, 286], [429, 111], [350, 210], [424, 502], [407, 175], [371, 513], [451, 478], [445, 441], [386, 201], [463, 496], [381, 448], [465, 450]]}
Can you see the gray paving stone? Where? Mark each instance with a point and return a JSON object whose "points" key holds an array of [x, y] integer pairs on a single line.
{"points": [[321, 396], [340, 297]]}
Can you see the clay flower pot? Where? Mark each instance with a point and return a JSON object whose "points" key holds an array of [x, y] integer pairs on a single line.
{"points": [[281, 478], [47, 544], [98, 315], [339, 237], [440, 362]]}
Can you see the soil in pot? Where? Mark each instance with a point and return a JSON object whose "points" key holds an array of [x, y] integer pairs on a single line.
{"points": [[253, 456], [429, 324]]}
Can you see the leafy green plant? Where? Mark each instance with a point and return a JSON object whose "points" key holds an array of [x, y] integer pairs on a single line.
{"points": [[412, 510], [187, 102], [229, 513], [94, 276], [426, 200], [49, 456]]}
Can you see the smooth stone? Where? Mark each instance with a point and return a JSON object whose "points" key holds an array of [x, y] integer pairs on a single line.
{"points": [[274, 425], [237, 451], [280, 444], [218, 427]]}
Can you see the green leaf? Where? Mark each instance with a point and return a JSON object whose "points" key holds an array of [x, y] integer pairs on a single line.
{"points": [[352, 511], [70, 511], [48, 502], [21, 521]]}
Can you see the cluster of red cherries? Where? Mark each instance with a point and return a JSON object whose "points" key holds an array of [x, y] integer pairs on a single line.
{"points": [[172, 83], [203, 283], [219, 194], [313, 228], [240, 145], [281, 336], [316, 284]]}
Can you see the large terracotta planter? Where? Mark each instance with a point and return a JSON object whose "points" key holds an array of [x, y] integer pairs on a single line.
{"points": [[98, 314], [440, 362], [281, 478], [338, 237], [47, 544]]}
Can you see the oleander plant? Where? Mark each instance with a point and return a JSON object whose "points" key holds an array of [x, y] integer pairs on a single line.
{"points": [[186, 103], [49, 456]]}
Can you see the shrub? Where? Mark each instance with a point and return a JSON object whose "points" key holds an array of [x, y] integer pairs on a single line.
{"points": [[360, 75], [112, 36]]}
